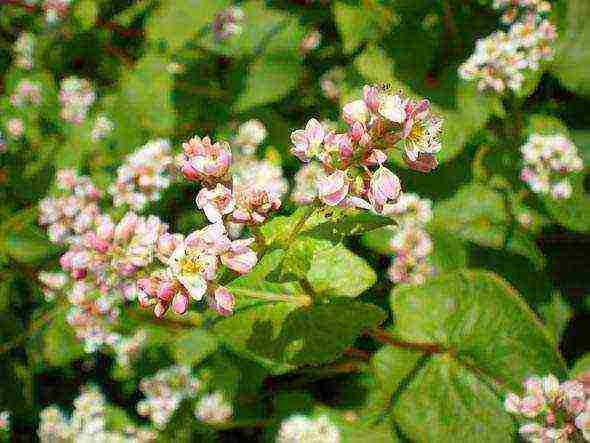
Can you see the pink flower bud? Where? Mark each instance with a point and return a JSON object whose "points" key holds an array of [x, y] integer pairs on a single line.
{"points": [[216, 202], [240, 257], [180, 303], [385, 186], [206, 160], [333, 188], [222, 301], [371, 97], [166, 291]]}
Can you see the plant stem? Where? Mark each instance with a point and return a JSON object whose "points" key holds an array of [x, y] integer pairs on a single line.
{"points": [[385, 337]]}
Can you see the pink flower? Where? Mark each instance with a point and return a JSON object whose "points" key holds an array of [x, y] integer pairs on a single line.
{"points": [[393, 108], [253, 205], [371, 97], [180, 303], [205, 161], [239, 256], [222, 301], [385, 186], [167, 243], [334, 188], [356, 111], [306, 142], [420, 130], [216, 202]]}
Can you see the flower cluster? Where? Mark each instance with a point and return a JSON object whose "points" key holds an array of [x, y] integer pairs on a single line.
{"points": [[213, 409], [244, 195], [72, 214], [27, 93], [411, 244], [306, 179], [56, 10], [88, 423], [354, 161], [500, 59], [4, 421], [15, 127], [548, 160], [228, 23], [250, 136], [24, 50], [191, 270], [76, 97], [164, 392], [143, 176], [52, 283], [300, 428], [103, 126], [557, 411]]}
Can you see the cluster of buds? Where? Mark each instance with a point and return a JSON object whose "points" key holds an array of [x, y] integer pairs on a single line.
{"points": [[52, 283], [354, 161], [548, 160], [228, 23], [558, 412], [164, 392], [499, 60], [214, 409], [103, 126], [55, 10], [76, 97], [73, 213], [300, 428], [87, 423], [143, 175], [15, 128], [24, 51], [245, 195], [4, 421], [27, 93], [127, 348], [250, 136], [192, 266], [411, 244]]}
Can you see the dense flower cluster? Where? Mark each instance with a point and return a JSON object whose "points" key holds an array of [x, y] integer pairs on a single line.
{"points": [[72, 214], [76, 97], [103, 126], [164, 392], [27, 93], [143, 175], [24, 51], [88, 423], [55, 10], [4, 421], [213, 409], [192, 268], [558, 412], [354, 161], [500, 59], [228, 23], [411, 244], [299, 428], [548, 160]]}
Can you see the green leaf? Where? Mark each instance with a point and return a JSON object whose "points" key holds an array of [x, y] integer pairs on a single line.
{"points": [[458, 343], [337, 272], [193, 346], [357, 24], [300, 256], [282, 336], [581, 366], [450, 252], [574, 212], [146, 93], [556, 314], [474, 213], [546, 125], [60, 345], [86, 11], [572, 51], [27, 244], [177, 21], [581, 139], [269, 79]]}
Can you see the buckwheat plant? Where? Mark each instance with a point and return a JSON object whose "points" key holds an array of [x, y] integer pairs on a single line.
{"points": [[354, 160], [555, 412], [500, 61], [76, 97], [143, 175], [300, 428], [88, 423], [549, 162], [164, 392]]}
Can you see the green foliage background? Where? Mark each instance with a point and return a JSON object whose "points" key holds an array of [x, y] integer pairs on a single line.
{"points": [[507, 302]]}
